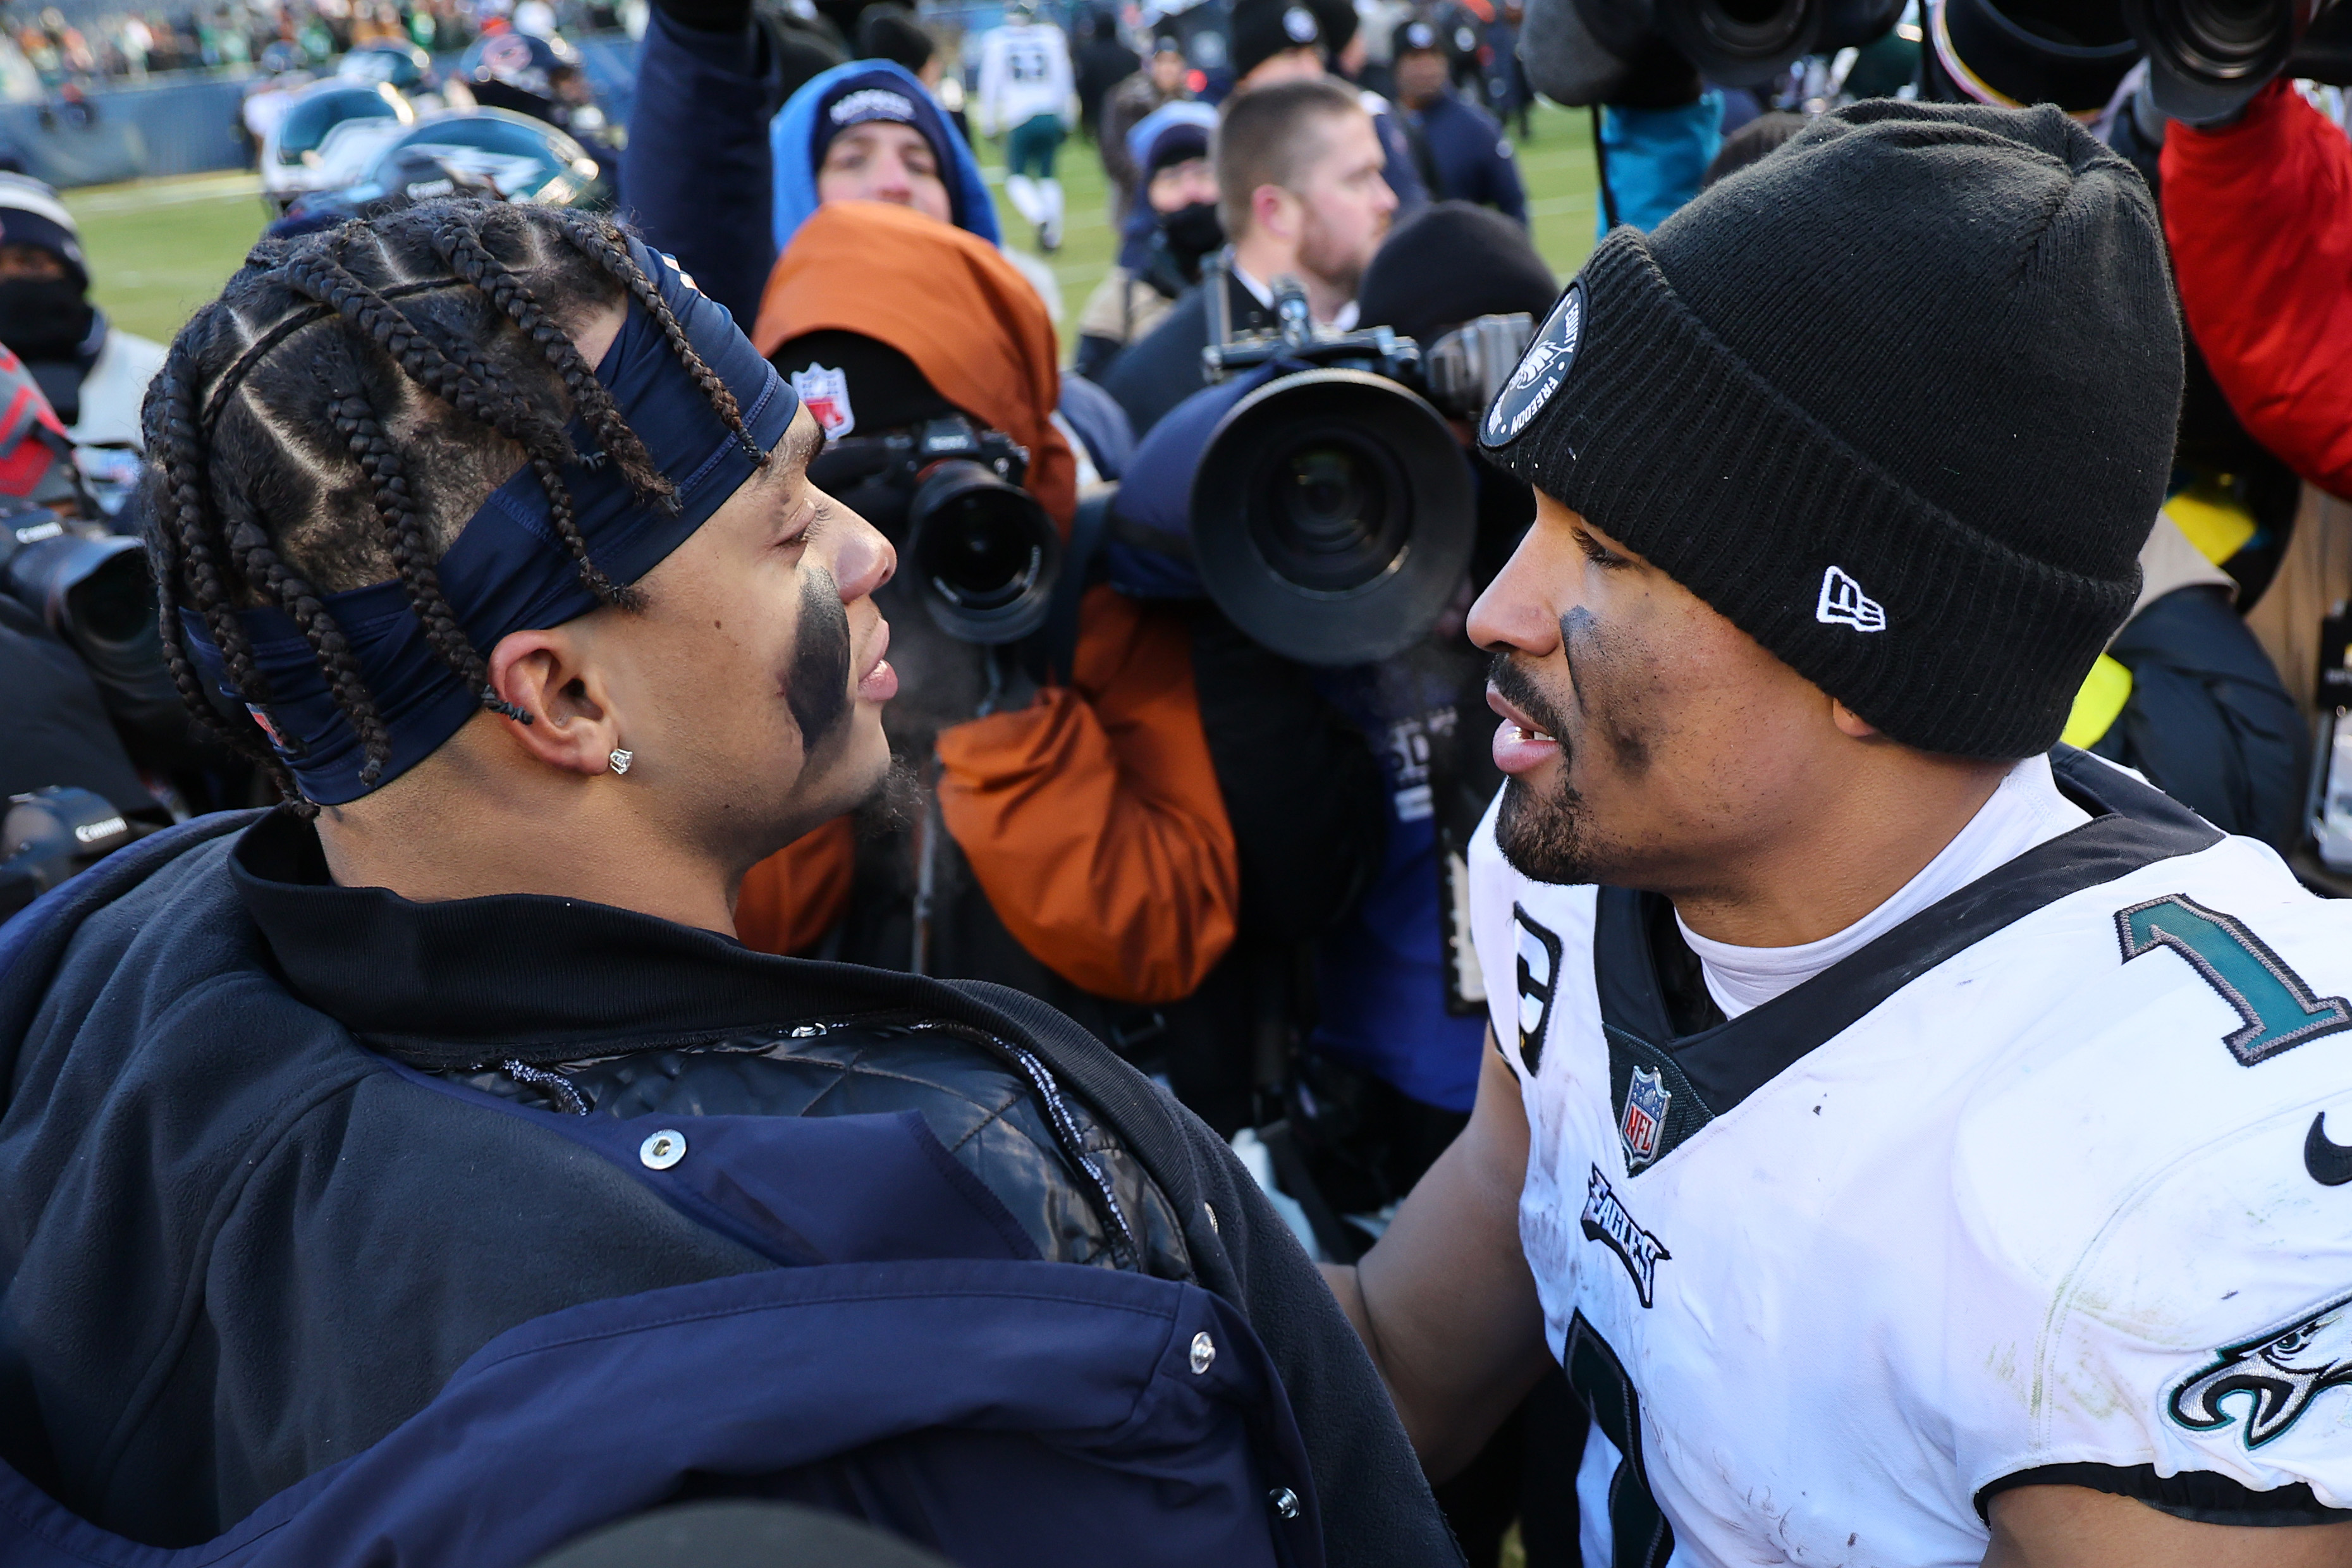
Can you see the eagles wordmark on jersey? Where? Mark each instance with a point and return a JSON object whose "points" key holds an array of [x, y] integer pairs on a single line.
{"points": [[2043, 1185]]}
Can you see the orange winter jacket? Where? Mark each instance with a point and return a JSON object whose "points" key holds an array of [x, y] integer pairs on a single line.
{"points": [[1091, 818]]}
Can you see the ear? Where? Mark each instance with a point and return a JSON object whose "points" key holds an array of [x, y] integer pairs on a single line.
{"points": [[1273, 210], [573, 725], [1850, 722]]}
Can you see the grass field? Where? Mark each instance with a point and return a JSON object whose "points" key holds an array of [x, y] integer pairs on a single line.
{"points": [[159, 248]]}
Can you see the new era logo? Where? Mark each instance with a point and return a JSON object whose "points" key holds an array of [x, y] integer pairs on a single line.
{"points": [[1843, 604]]}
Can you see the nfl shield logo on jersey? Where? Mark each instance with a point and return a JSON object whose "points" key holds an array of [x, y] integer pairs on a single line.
{"points": [[1644, 1121]]}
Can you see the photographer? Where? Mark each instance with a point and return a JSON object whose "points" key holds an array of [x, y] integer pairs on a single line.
{"points": [[1079, 850], [1167, 238], [724, 185], [457, 1180], [1300, 190], [99, 750], [1391, 1048], [92, 372], [58, 731]]}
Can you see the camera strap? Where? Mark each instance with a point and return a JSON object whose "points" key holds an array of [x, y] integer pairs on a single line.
{"points": [[1055, 644], [1219, 281]]}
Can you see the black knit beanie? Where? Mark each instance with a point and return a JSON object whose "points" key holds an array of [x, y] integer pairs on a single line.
{"points": [[1264, 28], [1897, 401], [1452, 262]]}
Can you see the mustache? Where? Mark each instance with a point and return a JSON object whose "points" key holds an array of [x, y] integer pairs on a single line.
{"points": [[1518, 689]]}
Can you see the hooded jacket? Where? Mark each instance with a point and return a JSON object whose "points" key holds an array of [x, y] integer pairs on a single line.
{"points": [[708, 186], [1090, 818], [793, 141], [326, 1242]]}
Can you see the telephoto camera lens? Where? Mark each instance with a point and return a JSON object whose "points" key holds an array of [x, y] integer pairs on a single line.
{"points": [[1332, 517], [2207, 58], [983, 552], [1740, 43], [48, 834], [93, 589], [1580, 52], [97, 595]]}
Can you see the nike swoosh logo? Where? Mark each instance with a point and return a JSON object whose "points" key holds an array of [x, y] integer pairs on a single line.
{"points": [[2329, 1163]]}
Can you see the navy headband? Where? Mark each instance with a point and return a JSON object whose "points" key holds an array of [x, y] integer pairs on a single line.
{"points": [[507, 570]]}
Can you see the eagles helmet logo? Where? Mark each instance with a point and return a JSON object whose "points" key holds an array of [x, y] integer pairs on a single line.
{"points": [[1541, 370], [1539, 976], [2280, 1374]]}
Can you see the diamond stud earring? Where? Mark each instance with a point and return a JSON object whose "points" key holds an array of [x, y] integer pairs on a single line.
{"points": [[620, 760]]}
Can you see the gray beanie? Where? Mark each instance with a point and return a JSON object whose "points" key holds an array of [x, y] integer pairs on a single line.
{"points": [[1897, 401]]}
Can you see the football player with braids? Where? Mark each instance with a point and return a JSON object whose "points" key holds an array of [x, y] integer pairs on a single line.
{"points": [[420, 1171]]}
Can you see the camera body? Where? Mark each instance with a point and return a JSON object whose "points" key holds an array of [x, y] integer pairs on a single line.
{"points": [[48, 834], [1332, 515], [982, 550], [95, 592]]}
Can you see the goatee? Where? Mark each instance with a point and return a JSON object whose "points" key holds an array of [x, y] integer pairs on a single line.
{"points": [[1541, 835]]}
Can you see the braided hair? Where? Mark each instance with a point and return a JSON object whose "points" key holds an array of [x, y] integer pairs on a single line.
{"points": [[336, 417]]}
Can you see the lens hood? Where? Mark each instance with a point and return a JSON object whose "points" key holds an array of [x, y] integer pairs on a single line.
{"points": [[1740, 43], [1580, 52], [2072, 53], [2207, 58], [1332, 517], [984, 552]]}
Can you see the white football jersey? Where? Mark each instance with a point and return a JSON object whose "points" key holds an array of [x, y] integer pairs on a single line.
{"points": [[1025, 71], [2049, 1183]]}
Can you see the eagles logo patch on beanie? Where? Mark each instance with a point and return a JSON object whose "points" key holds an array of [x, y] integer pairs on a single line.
{"points": [[1541, 370]]}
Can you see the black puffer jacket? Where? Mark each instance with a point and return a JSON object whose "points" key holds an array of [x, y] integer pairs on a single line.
{"points": [[249, 1224], [1075, 1189]]}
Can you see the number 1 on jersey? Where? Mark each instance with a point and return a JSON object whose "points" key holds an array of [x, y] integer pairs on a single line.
{"points": [[1639, 1535], [2277, 1005]]}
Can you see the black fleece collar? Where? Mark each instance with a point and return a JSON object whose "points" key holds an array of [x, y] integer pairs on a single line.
{"points": [[536, 978]]}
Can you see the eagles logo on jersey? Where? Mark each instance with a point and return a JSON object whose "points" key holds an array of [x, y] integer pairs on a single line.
{"points": [[1606, 1220], [2280, 1374]]}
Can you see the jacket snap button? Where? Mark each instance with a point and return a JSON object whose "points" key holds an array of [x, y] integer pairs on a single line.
{"points": [[1204, 1351], [1284, 1500], [667, 1148]]}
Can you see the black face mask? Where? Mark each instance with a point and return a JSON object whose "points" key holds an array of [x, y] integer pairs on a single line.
{"points": [[45, 318], [1193, 231]]}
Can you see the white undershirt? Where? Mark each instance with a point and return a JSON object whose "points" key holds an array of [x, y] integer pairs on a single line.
{"points": [[1344, 322], [2026, 810]]}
